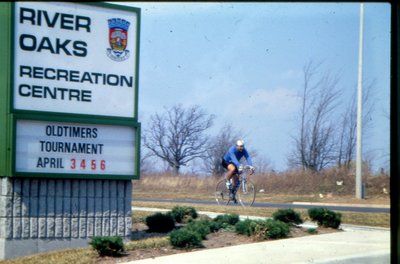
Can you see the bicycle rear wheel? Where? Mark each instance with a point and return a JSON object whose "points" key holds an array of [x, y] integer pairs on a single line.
{"points": [[246, 194], [222, 193]]}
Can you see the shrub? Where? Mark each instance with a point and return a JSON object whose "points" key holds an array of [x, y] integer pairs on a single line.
{"points": [[201, 227], [184, 238], [214, 226], [325, 217], [225, 220], [277, 229], [263, 229], [287, 216], [245, 227], [107, 246], [312, 231], [182, 214], [160, 222]]}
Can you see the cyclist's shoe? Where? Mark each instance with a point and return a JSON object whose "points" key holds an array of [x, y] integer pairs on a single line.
{"points": [[232, 196], [228, 184]]}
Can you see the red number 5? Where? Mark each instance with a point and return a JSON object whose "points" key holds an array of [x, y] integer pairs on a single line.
{"points": [[93, 164]]}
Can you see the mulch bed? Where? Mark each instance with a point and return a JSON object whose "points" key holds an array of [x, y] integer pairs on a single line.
{"points": [[219, 239]]}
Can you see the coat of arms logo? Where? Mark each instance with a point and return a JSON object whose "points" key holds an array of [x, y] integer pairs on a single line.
{"points": [[118, 39]]}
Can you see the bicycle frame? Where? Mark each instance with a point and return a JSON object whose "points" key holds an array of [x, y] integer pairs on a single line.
{"points": [[243, 182], [242, 178], [245, 189]]}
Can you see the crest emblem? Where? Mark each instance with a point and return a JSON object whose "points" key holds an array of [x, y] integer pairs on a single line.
{"points": [[118, 39]]}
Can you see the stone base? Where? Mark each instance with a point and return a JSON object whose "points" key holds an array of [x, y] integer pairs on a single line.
{"points": [[38, 215], [23, 247]]}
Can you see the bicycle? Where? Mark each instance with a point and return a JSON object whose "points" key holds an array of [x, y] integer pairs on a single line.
{"points": [[246, 190]]}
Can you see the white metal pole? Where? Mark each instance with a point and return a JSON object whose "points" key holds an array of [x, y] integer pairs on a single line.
{"points": [[359, 193]]}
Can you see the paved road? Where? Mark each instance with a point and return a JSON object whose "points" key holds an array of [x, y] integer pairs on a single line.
{"points": [[350, 208]]}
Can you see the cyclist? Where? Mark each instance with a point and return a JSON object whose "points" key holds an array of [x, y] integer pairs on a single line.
{"points": [[230, 162]]}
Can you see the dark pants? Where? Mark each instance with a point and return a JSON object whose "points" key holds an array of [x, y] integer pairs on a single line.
{"points": [[225, 165]]}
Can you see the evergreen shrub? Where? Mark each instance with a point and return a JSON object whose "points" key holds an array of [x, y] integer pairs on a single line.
{"points": [[107, 246], [277, 229], [312, 231], [160, 222], [325, 217], [183, 214], [223, 221], [288, 216], [201, 227], [263, 229], [185, 238]]}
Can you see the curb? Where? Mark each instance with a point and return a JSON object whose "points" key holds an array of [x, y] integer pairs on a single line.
{"points": [[344, 227], [210, 214], [343, 205]]}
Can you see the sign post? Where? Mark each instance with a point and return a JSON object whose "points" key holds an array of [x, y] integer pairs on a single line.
{"points": [[70, 135]]}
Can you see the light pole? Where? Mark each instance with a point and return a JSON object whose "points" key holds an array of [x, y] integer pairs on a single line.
{"points": [[359, 192]]}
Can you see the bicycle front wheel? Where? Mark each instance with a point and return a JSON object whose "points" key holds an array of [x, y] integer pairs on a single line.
{"points": [[221, 193], [247, 194]]}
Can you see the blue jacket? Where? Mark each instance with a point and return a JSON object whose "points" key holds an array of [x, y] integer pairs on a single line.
{"points": [[233, 155]]}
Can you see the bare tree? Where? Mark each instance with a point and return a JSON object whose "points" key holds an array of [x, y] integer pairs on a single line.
{"points": [[263, 164], [315, 144], [348, 129], [218, 147], [178, 135], [347, 137], [145, 164]]}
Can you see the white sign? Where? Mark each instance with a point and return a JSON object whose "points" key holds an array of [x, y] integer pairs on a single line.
{"points": [[57, 147], [75, 58]]}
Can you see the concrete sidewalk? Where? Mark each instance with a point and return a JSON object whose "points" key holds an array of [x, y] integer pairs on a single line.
{"points": [[356, 245]]}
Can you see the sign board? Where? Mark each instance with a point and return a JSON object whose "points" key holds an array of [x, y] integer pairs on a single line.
{"points": [[74, 148], [75, 58]]}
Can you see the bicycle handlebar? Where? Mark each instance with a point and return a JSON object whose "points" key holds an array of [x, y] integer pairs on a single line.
{"points": [[245, 168]]}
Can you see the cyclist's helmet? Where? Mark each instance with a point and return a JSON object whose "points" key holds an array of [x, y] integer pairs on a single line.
{"points": [[240, 142]]}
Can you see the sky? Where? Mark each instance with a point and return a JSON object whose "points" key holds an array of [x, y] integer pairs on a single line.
{"points": [[243, 63]]}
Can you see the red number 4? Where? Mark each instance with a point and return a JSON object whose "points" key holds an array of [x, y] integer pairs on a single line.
{"points": [[83, 164]]}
